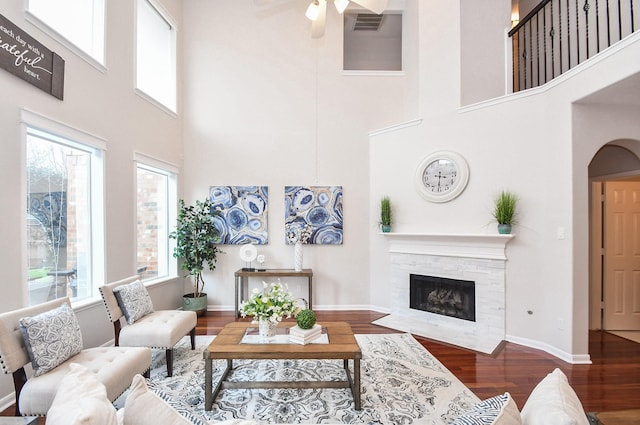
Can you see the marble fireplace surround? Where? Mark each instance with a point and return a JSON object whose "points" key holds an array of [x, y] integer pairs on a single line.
{"points": [[479, 258]]}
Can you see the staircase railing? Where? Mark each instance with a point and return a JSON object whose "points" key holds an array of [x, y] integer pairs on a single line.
{"points": [[557, 35]]}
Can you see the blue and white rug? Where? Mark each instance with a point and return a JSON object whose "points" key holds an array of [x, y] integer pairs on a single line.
{"points": [[402, 383]]}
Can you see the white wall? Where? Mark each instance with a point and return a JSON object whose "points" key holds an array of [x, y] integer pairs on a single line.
{"points": [[483, 49], [265, 104], [534, 143], [102, 104]]}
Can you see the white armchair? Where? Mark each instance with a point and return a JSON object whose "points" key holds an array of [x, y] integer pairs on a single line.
{"points": [[40, 335], [145, 327]]}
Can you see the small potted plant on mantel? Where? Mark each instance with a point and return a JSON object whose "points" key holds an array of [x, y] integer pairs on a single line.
{"points": [[196, 238], [385, 214], [504, 211]]}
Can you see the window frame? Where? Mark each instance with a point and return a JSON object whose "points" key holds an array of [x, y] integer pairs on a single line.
{"points": [[40, 22], [168, 19], [64, 134], [142, 161], [375, 72]]}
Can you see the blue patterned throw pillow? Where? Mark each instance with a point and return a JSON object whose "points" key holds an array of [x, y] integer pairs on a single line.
{"points": [[134, 301], [51, 338], [498, 410]]}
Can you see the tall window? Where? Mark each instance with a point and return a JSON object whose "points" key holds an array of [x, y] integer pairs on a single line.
{"points": [[156, 192], [156, 54], [79, 22], [64, 217]]}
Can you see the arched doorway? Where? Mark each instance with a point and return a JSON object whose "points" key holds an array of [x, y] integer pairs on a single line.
{"points": [[614, 270]]}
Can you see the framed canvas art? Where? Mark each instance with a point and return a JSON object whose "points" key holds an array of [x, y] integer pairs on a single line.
{"points": [[243, 213], [313, 214]]}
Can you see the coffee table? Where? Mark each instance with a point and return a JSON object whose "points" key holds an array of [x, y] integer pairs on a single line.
{"points": [[227, 346]]}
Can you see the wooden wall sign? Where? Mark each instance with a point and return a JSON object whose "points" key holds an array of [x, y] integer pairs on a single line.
{"points": [[24, 57]]}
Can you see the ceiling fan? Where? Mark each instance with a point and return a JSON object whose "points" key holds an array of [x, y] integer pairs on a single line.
{"points": [[317, 11]]}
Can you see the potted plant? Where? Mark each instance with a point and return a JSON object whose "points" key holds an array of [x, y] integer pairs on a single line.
{"points": [[385, 214], [196, 237], [504, 211]]}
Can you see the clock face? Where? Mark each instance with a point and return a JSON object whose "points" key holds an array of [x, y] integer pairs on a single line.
{"points": [[442, 176]]}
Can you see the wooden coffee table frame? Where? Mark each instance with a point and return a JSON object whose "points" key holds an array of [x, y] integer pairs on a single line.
{"points": [[226, 346]]}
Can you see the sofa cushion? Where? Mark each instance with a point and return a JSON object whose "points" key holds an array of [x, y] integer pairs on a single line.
{"points": [[142, 407], [113, 366], [159, 329], [81, 399], [134, 300], [498, 410], [51, 338], [553, 401]]}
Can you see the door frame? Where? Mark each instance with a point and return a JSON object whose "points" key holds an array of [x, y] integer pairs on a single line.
{"points": [[596, 244]]}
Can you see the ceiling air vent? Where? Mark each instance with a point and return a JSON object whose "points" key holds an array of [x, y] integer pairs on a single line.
{"points": [[367, 22]]}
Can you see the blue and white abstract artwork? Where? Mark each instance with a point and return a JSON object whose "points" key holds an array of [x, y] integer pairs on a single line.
{"points": [[243, 213], [313, 214]]}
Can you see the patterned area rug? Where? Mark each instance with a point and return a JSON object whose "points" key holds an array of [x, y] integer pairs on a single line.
{"points": [[402, 383]]}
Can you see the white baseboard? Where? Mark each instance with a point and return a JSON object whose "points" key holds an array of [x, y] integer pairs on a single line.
{"points": [[7, 401], [538, 345], [323, 307], [562, 355]]}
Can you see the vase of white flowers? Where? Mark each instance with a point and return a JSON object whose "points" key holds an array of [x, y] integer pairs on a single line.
{"points": [[269, 306]]}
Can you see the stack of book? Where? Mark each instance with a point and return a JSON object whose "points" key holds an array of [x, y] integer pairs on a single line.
{"points": [[298, 335]]}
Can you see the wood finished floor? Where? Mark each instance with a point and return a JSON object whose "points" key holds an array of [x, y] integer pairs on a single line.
{"points": [[611, 383]]}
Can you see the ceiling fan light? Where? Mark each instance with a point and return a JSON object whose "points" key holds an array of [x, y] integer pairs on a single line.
{"points": [[313, 10], [341, 5]]}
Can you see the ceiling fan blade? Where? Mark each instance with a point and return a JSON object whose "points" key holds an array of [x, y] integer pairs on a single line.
{"points": [[376, 6], [317, 26]]}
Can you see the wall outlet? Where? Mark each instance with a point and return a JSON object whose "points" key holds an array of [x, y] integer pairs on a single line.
{"points": [[560, 323], [560, 232]]}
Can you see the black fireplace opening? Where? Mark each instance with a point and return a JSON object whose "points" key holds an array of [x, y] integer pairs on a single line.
{"points": [[440, 295]]}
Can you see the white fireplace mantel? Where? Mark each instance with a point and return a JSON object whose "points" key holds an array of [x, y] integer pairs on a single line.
{"points": [[480, 258], [482, 246]]}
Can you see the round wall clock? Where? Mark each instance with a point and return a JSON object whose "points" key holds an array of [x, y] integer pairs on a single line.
{"points": [[442, 176]]}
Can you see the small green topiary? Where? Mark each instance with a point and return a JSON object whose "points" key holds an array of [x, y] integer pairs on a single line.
{"points": [[306, 319]]}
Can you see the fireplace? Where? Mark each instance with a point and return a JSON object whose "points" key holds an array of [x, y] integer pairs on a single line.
{"points": [[440, 295], [480, 259]]}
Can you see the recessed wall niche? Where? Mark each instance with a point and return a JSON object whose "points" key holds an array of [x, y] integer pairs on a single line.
{"points": [[372, 42]]}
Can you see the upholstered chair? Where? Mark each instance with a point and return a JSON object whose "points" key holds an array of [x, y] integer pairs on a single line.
{"points": [[127, 301], [38, 344]]}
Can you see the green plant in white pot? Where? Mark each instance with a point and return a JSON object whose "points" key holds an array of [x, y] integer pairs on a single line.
{"points": [[385, 214], [504, 211], [196, 238]]}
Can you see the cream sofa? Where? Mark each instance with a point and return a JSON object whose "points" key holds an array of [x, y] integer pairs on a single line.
{"points": [[82, 399]]}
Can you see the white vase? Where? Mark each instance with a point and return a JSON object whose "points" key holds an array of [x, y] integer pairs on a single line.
{"points": [[297, 256], [267, 328]]}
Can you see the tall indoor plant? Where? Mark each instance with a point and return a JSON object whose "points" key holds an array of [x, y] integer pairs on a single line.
{"points": [[196, 237], [504, 211]]}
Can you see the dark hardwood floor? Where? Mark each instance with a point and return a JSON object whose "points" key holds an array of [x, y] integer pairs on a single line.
{"points": [[611, 383]]}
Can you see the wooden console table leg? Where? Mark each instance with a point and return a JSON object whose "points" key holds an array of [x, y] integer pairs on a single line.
{"points": [[235, 299]]}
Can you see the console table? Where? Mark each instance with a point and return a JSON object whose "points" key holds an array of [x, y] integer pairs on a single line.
{"points": [[242, 281]]}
